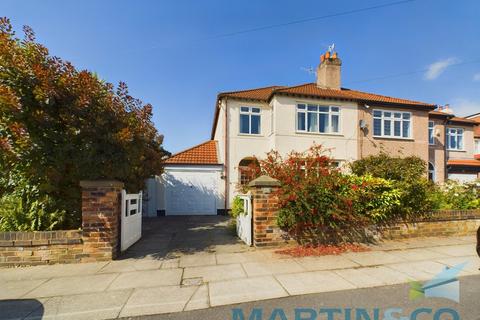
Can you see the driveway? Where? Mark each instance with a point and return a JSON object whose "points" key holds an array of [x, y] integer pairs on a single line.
{"points": [[171, 237]]}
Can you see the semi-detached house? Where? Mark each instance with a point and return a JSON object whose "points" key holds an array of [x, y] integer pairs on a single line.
{"points": [[350, 124]]}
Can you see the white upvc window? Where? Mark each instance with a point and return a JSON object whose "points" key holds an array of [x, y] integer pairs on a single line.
{"points": [[477, 146], [455, 138], [318, 118], [431, 127], [392, 124], [250, 120]]}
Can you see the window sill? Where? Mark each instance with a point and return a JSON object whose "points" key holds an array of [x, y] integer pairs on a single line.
{"points": [[250, 135], [457, 150], [319, 133], [393, 138]]}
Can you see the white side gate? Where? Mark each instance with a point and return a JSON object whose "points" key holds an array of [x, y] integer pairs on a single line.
{"points": [[244, 220], [131, 221]]}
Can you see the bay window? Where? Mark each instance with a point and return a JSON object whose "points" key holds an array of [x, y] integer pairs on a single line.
{"points": [[249, 120], [455, 138], [391, 124], [318, 118]]}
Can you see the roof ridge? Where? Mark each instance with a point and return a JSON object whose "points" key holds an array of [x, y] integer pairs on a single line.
{"points": [[297, 86], [382, 95], [191, 148], [259, 88]]}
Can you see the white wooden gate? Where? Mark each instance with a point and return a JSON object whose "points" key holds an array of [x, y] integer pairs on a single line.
{"points": [[131, 221], [244, 220]]}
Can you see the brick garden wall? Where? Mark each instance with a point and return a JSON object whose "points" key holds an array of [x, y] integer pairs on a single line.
{"points": [[266, 233], [440, 223], [97, 241], [43, 247]]}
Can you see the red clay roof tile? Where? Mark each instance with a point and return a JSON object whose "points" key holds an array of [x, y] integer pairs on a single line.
{"points": [[470, 163], [204, 153]]}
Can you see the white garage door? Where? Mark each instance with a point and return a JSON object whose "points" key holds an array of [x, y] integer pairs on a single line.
{"points": [[462, 177], [191, 192]]}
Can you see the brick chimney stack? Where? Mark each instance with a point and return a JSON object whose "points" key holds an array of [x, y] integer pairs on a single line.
{"points": [[329, 71]]}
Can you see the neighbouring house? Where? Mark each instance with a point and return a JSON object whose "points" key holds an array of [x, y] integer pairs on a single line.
{"points": [[350, 124]]}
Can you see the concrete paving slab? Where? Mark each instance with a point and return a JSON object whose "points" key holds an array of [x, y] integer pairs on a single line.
{"points": [[386, 275], [472, 267], [17, 289], [51, 271], [199, 299], [170, 263], [215, 273], [417, 254], [313, 282], [157, 300], [197, 260], [358, 278], [255, 269], [19, 309], [103, 305], [372, 258], [243, 290], [118, 266], [456, 250], [72, 285], [240, 257], [149, 278], [418, 270], [326, 263], [127, 265]]}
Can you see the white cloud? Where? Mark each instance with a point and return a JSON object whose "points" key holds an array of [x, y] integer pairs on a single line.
{"points": [[476, 77], [464, 107], [437, 68]]}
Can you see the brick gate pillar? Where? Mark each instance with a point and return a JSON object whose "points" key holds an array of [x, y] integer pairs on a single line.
{"points": [[265, 207], [101, 210]]}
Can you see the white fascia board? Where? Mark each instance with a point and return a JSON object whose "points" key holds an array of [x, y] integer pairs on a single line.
{"points": [[191, 167]]}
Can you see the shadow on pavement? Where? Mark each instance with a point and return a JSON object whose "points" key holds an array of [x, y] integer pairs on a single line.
{"points": [[21, 309]]}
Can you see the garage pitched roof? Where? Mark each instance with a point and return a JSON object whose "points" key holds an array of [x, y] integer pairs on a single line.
{"points": [[204, 153], [467, 163]]}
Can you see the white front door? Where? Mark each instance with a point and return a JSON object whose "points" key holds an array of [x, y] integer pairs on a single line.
{"points": [[191, 192]]}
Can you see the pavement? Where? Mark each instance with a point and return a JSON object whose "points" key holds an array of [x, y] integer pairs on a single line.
{"points": [[369, 299], [181, 270]]}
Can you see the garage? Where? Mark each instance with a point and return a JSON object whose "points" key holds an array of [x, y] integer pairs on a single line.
{"points": [[191, 184], [467, 170]]}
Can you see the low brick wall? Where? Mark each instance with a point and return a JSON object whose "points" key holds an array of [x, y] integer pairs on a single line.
{"points": [[266, 233], [42, 247], [438, 224], [99, 239]]}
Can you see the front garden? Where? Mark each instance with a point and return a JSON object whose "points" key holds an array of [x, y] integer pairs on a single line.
{"points": [[320, 203]]}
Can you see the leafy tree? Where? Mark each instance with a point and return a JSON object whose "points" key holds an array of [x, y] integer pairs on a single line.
{"points": [[59, 125]]}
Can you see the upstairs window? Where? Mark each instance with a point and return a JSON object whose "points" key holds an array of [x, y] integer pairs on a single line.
{"points": [[249, 120], [455, 138], [431, 126], [391, 124], [477, 146], [317, 118]]}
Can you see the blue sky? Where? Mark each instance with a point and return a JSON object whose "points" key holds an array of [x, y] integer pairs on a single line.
{"points": [[169, 54]]}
